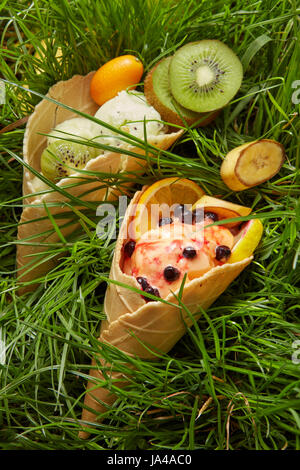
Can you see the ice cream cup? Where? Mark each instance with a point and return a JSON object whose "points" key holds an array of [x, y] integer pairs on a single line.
{"points": [[140, 328], [35, 225]]}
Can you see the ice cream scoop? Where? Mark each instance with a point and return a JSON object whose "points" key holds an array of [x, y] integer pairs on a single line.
{"points": [[162, 256], [129, 112]]}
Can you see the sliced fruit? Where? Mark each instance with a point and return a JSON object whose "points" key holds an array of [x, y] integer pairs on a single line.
{"points": [[246, 241], [61, 158], [223, 209], [158, 199], [158, 93], [116, 75], [251, 164], [205, 75]]}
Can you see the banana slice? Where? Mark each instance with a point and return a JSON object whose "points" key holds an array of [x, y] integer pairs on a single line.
{"points": [[251, 164]]}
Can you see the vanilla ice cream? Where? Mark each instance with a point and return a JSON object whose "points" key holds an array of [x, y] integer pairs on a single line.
{"points": [[79, 127], [129, 112]]}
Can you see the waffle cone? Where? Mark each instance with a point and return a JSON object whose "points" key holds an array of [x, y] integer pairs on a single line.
{"points": [[34, 223], [144, 329]]}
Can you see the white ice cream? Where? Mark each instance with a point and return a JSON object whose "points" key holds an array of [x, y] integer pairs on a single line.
{"points": [[81, 127], [129, 112]]}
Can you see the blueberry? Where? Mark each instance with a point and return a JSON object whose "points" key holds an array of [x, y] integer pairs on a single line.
{"points": [[211, 215], [143, 282], [189, 252], [165, 221], [171, 274], [129, 248], [222, 253], [183, 214], [198, 216], [153, 291]]}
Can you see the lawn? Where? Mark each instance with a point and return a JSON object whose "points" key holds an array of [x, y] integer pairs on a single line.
{"points": [[233, 381]]}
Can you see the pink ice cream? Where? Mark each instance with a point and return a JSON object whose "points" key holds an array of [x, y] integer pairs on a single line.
{"points": [[161, 257]]}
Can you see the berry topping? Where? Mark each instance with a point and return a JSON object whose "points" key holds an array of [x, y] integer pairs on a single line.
{"points": [[198, 216], [171, 274], [189, 252], [165, 221], [222, 253], [153, 291], [143, 282], [183, 214], [129, 248], [211, 215]]}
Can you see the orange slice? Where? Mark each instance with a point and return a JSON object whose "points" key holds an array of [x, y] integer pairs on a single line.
{"points": [[224, 209], [246, 241], [160, 198]]}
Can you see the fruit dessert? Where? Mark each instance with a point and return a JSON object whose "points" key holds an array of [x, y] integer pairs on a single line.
{"points": [[195, 83], [160, 259], [51, 156], [147, 306], [128, 112]]}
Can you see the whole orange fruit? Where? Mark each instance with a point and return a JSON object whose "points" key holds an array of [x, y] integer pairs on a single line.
{"points": [[114, 76]]}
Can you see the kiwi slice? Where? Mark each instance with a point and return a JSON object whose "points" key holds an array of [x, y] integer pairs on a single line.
{"points": [[158, 93], [61, 158], [205, 75]]}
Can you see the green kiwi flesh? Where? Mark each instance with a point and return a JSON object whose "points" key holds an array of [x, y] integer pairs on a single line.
{"points": [[205, 75], [61, 158], [158, 93]]}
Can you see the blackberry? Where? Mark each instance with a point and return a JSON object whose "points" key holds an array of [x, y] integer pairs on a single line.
{"points": [[198, 215], [142, 282], [129, 248], [184, 215], [153, 291], [211, 215], [189, 252], [171, 273], [165, 221], [222, 253]]}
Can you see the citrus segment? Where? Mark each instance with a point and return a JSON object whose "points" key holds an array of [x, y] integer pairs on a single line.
{"points": [[246, 241], [159, 198]]}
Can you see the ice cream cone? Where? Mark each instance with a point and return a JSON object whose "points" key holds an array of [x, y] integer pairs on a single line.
{"points": [[34, 221], [140, 328]]}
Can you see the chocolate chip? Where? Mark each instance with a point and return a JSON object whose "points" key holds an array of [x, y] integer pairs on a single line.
{"points": [[211, 215], [143, 282], [153, 291], [189, 252], [129, 248], [165, 221], [184, 215], [222, 252], [171, 274]]}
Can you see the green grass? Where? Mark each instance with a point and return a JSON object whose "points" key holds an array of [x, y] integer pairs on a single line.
{"points": [[230, 382]]}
